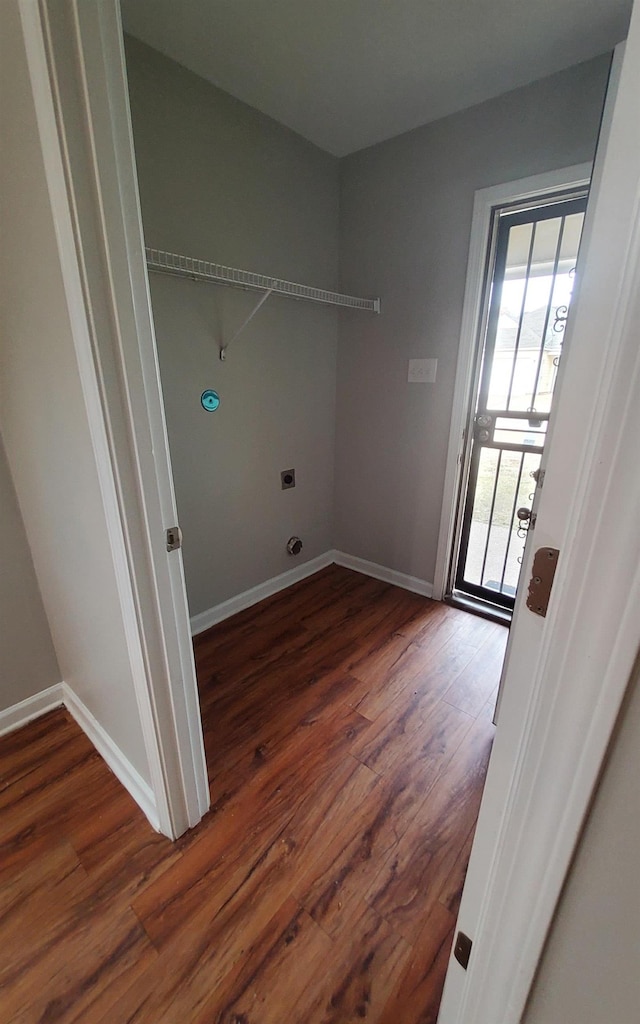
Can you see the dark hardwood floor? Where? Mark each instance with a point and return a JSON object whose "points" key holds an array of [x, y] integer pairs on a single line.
{"points": [[348, 727]]}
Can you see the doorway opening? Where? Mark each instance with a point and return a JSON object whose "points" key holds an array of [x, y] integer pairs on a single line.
{"points": [[531, 260]]}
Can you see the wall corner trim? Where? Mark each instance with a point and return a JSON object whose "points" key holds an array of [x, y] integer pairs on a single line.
{"points": [[27, 710], [381, 572], [119, 764], [219, 612], [61, 695]]}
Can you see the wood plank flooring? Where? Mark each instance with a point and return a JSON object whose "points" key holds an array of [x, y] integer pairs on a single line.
{"points": [[347, 727]]}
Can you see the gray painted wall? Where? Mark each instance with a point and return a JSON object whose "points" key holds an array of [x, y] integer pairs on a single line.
{"points": [[28, 663], [45, 426], [589, 970], [221, 181], [406, 208]]}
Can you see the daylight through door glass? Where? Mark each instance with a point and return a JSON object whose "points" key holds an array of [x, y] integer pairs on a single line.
{"points": [[535, 261]]}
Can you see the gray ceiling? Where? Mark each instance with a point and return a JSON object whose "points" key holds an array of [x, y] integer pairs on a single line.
{"points": [[349, 73]]}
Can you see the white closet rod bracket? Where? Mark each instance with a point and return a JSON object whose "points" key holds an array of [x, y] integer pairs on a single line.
{"points": [[259, 303], [201, 270]]}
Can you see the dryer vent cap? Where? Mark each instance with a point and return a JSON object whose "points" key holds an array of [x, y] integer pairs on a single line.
{"points": [[294, 545]]}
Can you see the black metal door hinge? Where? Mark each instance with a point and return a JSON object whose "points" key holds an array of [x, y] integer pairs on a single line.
{"points": [[462, 949]]}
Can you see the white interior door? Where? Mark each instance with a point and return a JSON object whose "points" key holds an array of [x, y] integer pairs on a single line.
{"points": [[567, 672]]}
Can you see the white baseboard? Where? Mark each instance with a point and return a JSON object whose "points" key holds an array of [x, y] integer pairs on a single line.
{"points": [[380, 572], [32, 707], [61, 695], [219, 612], [119, 764], [250, 597]]}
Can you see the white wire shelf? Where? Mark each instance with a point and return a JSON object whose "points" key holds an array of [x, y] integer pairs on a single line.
{"points": [[201, 270]]}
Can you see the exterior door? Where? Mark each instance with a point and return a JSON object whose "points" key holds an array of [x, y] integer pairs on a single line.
{"points": [[529, 294]]}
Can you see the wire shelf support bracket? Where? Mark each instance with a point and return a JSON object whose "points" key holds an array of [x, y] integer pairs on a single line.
{"points": [[162, 262], [259, 303]]}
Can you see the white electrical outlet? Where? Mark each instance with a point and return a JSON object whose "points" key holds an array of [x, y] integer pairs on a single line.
{"points": [[422, 371]]}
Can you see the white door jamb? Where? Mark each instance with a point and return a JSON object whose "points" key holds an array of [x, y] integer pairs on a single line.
{"points": [[76, 64]]}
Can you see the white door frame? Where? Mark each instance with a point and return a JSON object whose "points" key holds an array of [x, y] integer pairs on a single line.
{"points": [[474, 313], [567, 673], [77, 70]]}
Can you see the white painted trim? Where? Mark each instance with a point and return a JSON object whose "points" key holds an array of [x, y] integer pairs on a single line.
{"points": [[219, 612], [93, 191], [61, 695], [30, 708], [158, 577], [485, 201], [380, 572], [119, 764], [43, 92], [567, 678]]}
